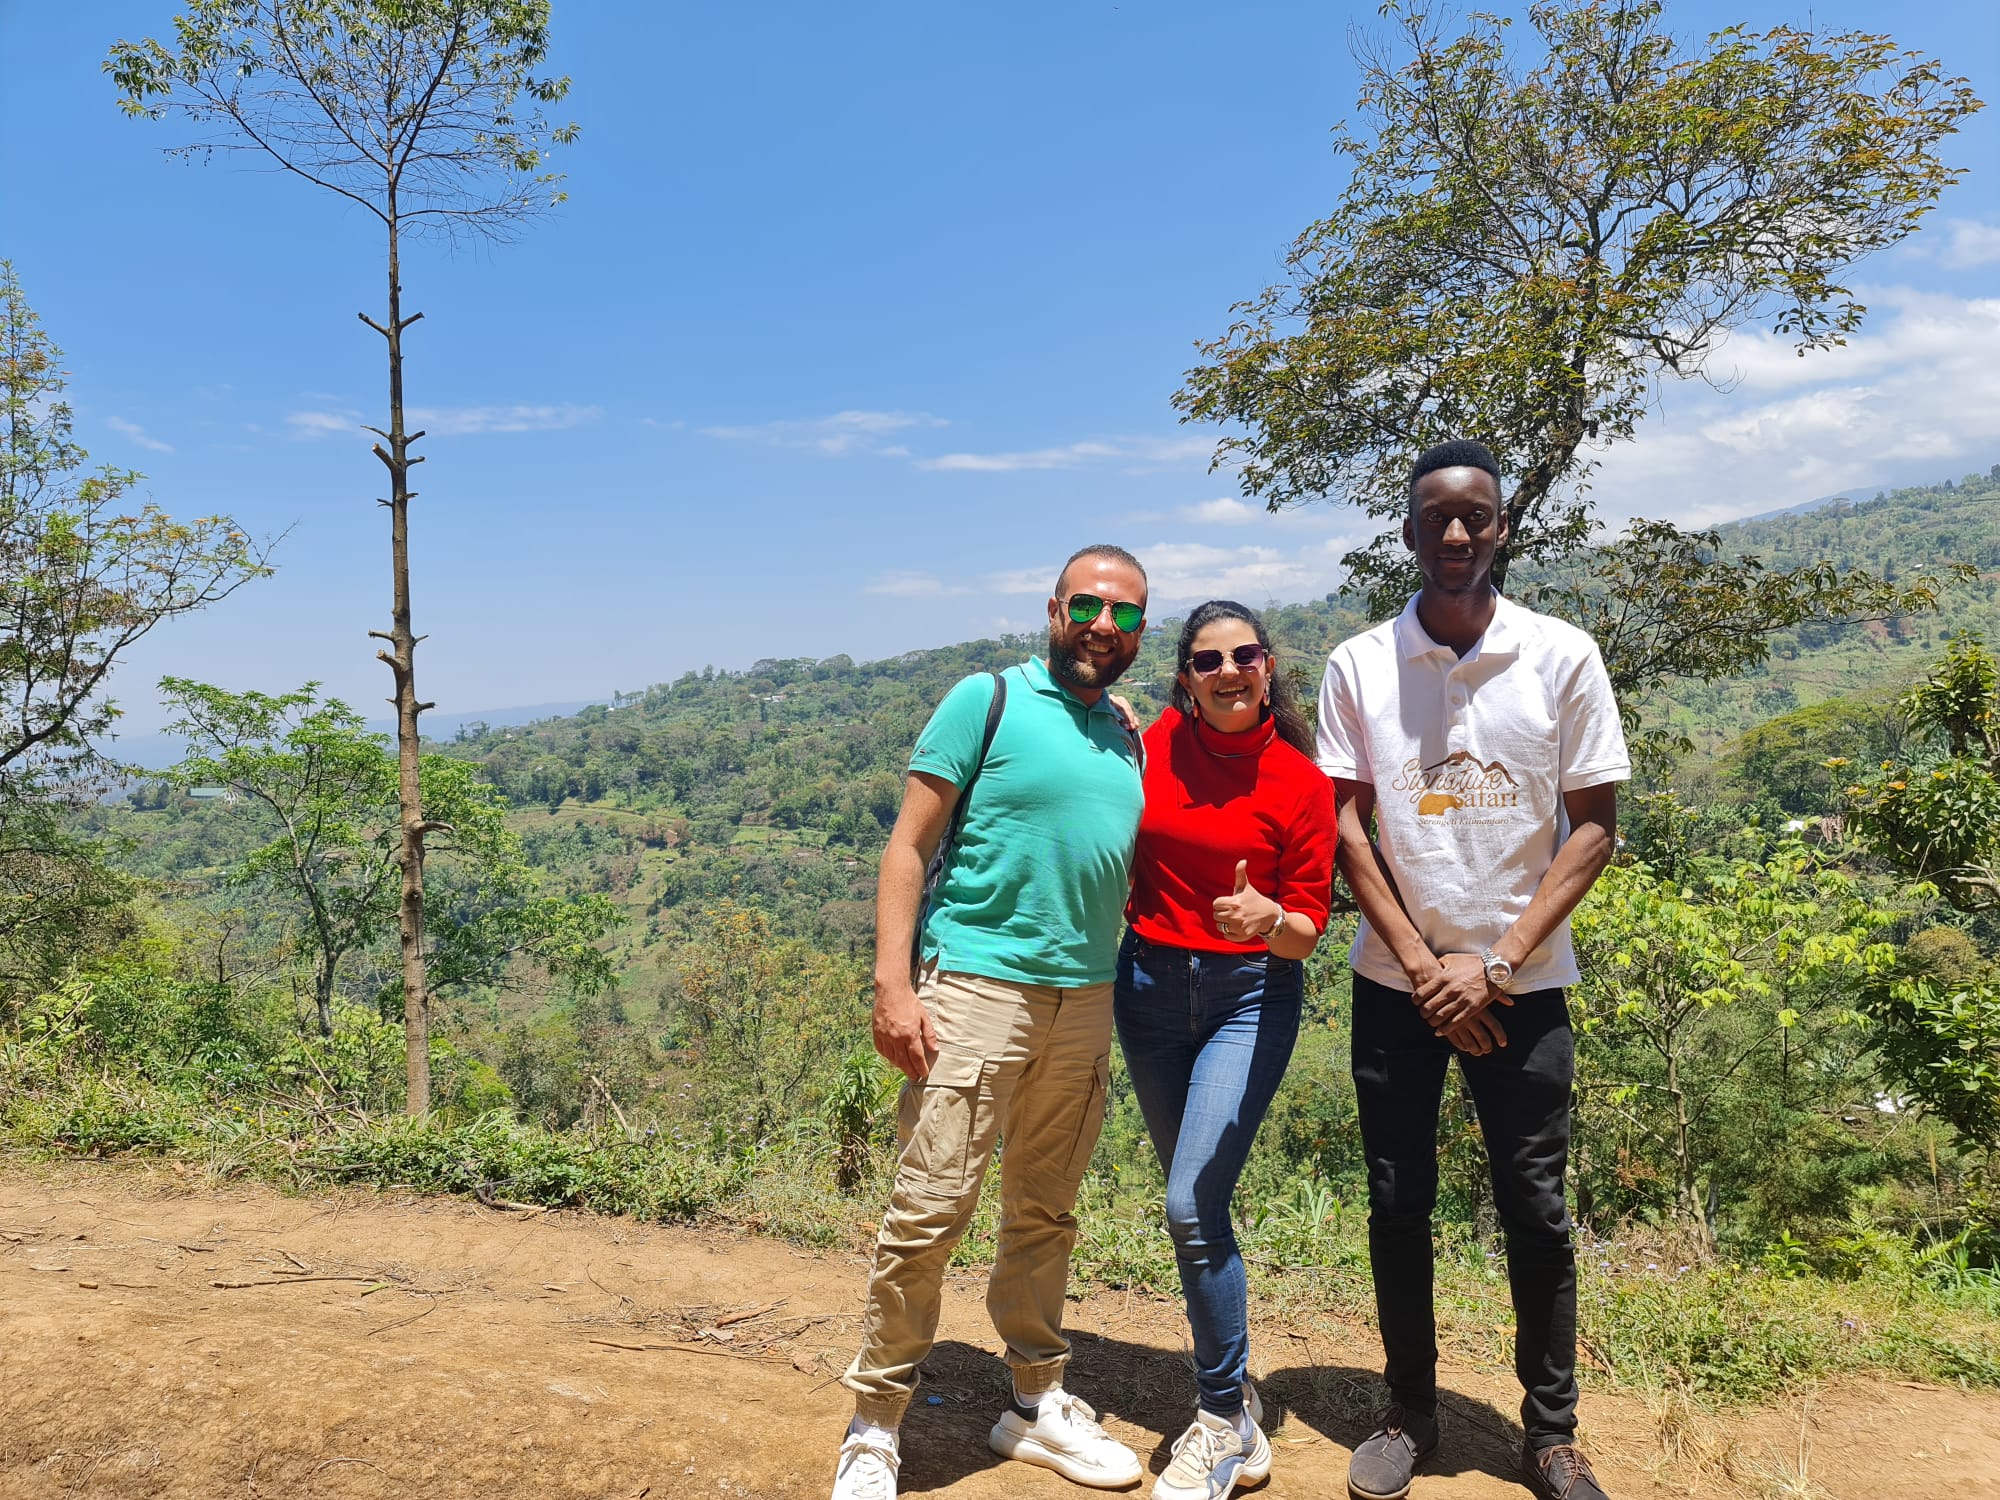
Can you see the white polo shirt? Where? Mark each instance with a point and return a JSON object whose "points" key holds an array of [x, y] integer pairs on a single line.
{"points": [[1470, 757]]}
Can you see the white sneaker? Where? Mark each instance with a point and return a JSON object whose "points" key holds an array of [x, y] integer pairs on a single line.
{"points": [[1210, 1460], [867, 1469], [1064, 1436]]}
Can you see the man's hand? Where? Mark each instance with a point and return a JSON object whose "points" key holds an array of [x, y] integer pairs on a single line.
{"points": [[1243, 914], [1455, 992], [1479, 1035], [903, 1031]]}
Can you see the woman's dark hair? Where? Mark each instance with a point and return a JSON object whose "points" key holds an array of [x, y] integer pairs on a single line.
{"points": [[1292, 726]]}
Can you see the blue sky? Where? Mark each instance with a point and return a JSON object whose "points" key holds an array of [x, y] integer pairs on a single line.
{"points": [[858, 319]]}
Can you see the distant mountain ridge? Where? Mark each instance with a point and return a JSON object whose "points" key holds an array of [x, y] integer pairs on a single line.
{"points": [[155, 752]]}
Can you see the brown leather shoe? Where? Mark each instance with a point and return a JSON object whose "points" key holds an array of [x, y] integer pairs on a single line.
{"points": [[1381, 1467], [1560, 1473]]}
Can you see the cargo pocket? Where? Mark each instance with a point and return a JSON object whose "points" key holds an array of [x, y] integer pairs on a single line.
{"points": [[1090, 1123], [939, 1116]]}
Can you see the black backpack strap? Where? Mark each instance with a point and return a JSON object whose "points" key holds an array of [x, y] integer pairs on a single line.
{"points": [[941, 860]]}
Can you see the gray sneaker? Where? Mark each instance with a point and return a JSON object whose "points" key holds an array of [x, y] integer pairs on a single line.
{"points": [[1388, 1456]]}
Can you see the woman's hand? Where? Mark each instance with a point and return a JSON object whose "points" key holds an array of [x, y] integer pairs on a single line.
{"points": [[1245, 914], [1122, 706]]}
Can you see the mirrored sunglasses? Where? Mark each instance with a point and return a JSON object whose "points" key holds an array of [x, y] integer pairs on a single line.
{"points": [[1085, 608]]}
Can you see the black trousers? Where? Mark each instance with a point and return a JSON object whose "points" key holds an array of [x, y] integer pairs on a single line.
{"points": [[1522, 1094]]}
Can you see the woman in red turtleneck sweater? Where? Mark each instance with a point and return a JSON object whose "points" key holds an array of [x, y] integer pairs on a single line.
{"points": [[1230, 889]]}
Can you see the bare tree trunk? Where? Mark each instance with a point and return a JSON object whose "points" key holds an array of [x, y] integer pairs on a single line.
{"points": [[323, 994], [401, 659], [1688, 1207]]}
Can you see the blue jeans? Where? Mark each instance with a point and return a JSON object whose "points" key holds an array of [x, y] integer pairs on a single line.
{"points": [[1206, 1038]]}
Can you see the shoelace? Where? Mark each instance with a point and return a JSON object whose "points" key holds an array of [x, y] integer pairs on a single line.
{"points": [[1076, 1413], [1206, 1443], [1563, 1466], [875, 1484]]}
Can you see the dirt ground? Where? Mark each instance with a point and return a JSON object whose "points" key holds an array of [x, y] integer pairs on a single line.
{"points": [[160, 1337]]}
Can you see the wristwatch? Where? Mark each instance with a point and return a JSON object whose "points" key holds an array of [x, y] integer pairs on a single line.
{"points": [[1499, 973]]}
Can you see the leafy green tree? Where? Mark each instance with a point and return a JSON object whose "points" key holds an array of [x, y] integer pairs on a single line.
{"points": [[59, 900], [1939, 1040], [326, 789], [1523, 252], [86, 571], [1936, 817], [1686, 985], [767, 1016], [410, 109], [1785, 760]]}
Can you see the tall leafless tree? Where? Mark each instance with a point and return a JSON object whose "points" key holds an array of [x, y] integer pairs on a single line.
{"points": [[429, 115]]}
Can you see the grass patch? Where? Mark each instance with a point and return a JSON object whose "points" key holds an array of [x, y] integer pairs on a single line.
{"points": [[1717, 1335]]}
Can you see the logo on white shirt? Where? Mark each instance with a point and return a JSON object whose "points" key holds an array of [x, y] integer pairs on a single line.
{"points": [[1460, 782]]}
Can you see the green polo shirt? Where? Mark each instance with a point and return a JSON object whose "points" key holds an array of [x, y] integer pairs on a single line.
{"points": [[1037, 885]]}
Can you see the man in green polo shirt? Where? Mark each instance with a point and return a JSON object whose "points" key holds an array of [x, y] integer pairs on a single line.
{"points": [[1005, 1031]]}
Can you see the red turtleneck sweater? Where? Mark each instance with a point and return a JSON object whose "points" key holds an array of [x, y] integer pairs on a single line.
{"points": [[1212, 799]]}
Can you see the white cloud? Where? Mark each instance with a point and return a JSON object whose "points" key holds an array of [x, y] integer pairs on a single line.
{"points": [[1244, 552], [842, 433], [1222, 511], [137, 434], [1957, 244], [1279, 566], [447, 421], [319, 424], [1032, 580], [1142, 452], [913, 586], [466, 421], [1913, 396]]}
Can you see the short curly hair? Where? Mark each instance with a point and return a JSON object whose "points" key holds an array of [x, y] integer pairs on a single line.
{"points": [[1459, 453]]}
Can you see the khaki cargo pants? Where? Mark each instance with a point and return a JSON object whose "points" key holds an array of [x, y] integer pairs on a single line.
{"points": [[1021, 1063]]}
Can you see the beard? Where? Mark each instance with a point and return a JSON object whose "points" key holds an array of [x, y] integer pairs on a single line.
{"points": [[1075, 671]]}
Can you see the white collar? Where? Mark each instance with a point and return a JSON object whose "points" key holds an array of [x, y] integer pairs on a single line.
{"points": [[1502, 637]]}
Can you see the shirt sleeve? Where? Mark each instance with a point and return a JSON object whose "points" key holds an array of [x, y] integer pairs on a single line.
{"points": [[949, 745], [1305, 864], [1592, 745], [1342, 750]]}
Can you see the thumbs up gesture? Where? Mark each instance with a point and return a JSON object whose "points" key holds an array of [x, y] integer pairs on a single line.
{"points": [[1245, 913]]}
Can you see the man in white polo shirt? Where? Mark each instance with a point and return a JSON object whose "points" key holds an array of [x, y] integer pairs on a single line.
{"points": [[1483, 739]]}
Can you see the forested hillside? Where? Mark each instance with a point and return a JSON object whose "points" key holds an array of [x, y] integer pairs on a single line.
{"points": [[778, 783]]}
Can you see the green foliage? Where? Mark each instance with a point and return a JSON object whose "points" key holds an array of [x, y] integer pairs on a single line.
{"points": [[1940, 1042], [324, 792], [60, 901], [1525, 246], [1719, 1022], [410, 108], [84, 574], [763, 1016], [1664, 605], [859, 1105], [1937, 818], [1786, 760]]}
